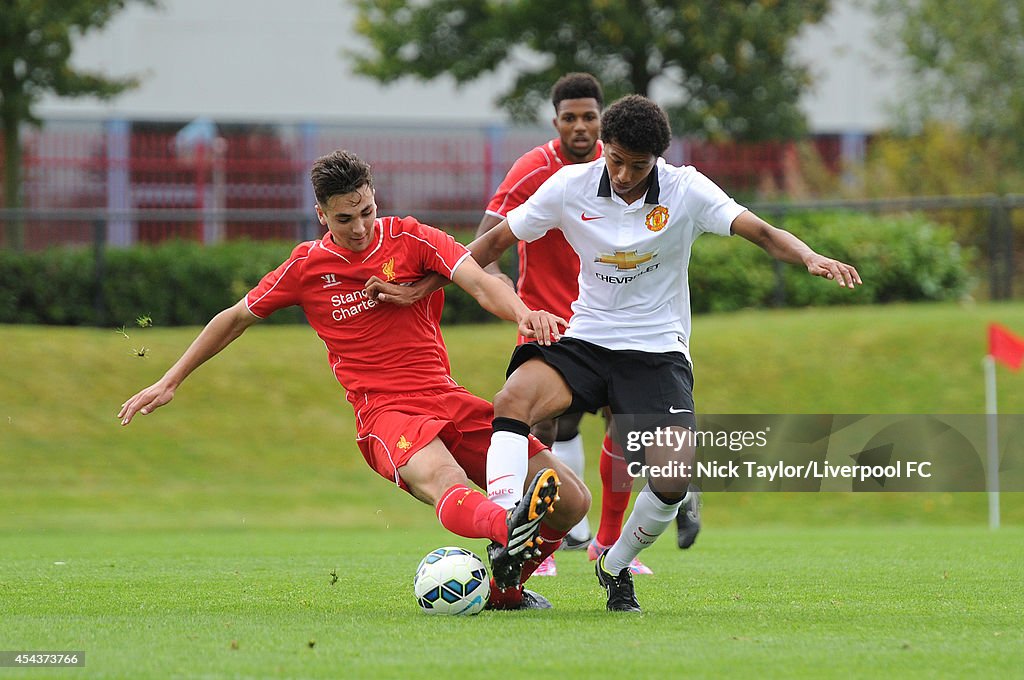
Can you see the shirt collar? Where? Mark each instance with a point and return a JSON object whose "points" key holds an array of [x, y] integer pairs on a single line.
{"points": [[653, 196]]}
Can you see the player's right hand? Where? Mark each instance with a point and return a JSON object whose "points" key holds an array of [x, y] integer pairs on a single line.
{"points": [[542, 326], [145, 402]]}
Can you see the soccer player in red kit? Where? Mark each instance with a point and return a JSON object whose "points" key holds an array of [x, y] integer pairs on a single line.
{"points": [[415, 426]]}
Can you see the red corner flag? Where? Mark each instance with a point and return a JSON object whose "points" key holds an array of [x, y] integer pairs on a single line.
{"points": [[1005, 346]]}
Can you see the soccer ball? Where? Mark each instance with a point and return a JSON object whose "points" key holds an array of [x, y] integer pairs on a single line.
{"points": [[451, 581]]}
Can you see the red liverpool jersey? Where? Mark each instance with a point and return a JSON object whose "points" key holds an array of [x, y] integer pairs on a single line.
{"points": [[548, 267], [372, 347]]}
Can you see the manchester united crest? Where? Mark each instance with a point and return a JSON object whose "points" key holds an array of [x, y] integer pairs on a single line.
{"points": [[657, 218]]}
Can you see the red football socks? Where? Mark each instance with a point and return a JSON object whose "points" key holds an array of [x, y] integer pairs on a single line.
{"points": [[552, 539], [510, 598], [616, 488], [468, 513]]}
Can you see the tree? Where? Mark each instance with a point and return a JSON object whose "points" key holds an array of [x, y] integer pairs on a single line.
{"points": [[35, 52], [725, 64], [966, 60]]}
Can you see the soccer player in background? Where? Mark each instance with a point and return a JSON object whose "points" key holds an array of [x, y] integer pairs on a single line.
{"points": [[416, 427], [632, 219]]}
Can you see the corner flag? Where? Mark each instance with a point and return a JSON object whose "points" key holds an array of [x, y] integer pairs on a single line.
{"points": [[1004, 346], [1008, 348]]}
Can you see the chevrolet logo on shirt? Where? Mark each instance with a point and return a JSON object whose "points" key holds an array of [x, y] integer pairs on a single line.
{"points": [[626, 260]]}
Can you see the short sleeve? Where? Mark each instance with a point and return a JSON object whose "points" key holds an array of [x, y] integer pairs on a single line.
{"points": [[713, 210], [437, 250], [541, 212], [522, 180], [280, 288]]}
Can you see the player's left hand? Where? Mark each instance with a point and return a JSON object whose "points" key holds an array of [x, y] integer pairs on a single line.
{"points": [[380, 290], [542, 326], [846, 275]]}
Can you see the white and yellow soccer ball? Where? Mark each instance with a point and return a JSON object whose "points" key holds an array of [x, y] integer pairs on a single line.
{"points": [[451, 581]]}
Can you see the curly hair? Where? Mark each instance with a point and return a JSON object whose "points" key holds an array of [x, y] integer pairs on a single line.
{"points": [[638, 124], [339, 172], [576, 86]]}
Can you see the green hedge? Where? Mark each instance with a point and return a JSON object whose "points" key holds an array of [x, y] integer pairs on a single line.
{"points": [[176, 284], [902, 258]]}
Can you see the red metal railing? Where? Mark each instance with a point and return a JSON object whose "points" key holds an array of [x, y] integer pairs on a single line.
{"points": [[446, 174]]}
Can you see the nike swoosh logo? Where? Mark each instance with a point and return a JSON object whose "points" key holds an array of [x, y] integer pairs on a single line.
{"points": [[673, 409], [587, 218], [492, 481]]}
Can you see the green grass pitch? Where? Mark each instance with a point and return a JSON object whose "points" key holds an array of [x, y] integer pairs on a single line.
{"points": [[783, 602], [201, 541]]}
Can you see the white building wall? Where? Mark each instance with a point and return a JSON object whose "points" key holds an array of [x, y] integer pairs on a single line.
{"points": [[281, 60], [856, 81]]}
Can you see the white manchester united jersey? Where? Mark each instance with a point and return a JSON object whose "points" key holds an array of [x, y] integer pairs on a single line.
{"points": [[633, 258]]}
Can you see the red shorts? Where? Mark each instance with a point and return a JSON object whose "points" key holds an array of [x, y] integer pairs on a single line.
{"points": [[391, 428]]}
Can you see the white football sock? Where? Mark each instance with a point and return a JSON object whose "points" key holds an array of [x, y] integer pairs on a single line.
{"points": [[649, 519], [571, 453], [507, 463]]}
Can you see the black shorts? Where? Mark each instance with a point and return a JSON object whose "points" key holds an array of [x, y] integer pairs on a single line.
{"points": [[653, 388]]}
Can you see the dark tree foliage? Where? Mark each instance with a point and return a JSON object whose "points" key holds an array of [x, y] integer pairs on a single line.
{"points": [[36, 39], [722, 68]]}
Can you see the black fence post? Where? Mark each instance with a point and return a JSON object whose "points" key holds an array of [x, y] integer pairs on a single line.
{"points": [[99, 246], [1006, 220], [1000, 247], [994, 261], [779, 293]]}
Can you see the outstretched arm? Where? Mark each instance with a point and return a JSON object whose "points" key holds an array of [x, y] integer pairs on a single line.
{"points": [[218, 334], [500, 300], [782, 245]]}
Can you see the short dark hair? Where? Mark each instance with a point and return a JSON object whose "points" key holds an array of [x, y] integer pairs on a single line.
{"points": [[637, 124], [339, 172], [576, 86]]}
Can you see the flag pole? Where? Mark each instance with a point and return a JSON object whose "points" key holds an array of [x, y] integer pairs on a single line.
{"points": [[993, 441]]}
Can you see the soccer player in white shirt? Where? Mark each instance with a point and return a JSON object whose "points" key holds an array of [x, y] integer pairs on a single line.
{"points": [[632, 219]]}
